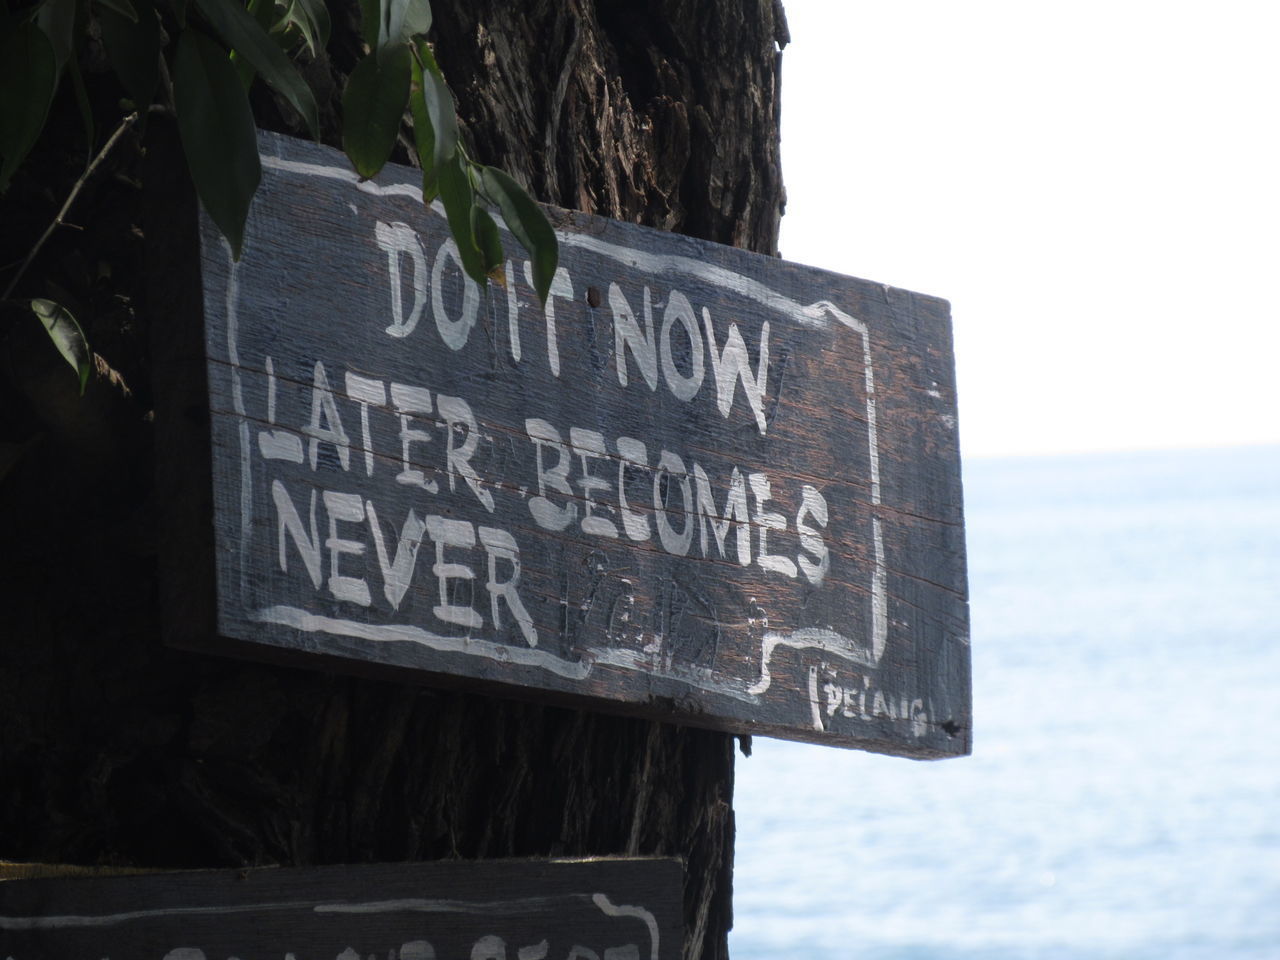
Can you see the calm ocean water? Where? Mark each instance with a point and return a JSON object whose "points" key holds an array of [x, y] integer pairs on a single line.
{"points": [[1123, 798]]}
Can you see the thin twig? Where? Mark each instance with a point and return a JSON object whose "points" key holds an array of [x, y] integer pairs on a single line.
{"points": [[71, 198]]}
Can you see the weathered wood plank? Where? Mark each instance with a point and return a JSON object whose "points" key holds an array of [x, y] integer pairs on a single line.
{"points": [[701, 485], [609, 909]]}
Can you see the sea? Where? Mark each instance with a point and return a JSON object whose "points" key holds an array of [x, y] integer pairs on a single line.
{"points": [[1122, 801]]}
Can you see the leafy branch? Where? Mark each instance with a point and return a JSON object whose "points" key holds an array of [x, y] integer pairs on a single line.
{"points": [[203, 77]]}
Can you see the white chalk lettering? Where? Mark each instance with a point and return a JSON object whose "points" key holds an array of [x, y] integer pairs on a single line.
{"points": [[670, 465], [561, 286], [766, 521], [732, 365], [347, 507], [324, 406], [736, 515], [589, 445], [632, 453], [396, 573], [865, 701], [411, 402], [743, 509], [452, 533], [396, 239], [627, 334], [513, 310], [500, 545], [365, 391], [545, 513], [457, 413], [287, 519], [681, 386], [453, 332], [812, 505], [276, 444]]}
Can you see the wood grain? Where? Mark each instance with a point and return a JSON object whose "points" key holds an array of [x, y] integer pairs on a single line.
{"points": [[440, 435], [608, 909]]}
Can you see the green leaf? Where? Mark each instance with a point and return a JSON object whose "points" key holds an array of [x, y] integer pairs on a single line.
{"points": [[402, 20], [28, 79], [525, 219], [428, 57], [311, 17], [133, 48], [241, 32], [319, 11], [57, 18], [66, 336], [180, 12], [417, 18], [122, 8], [455, 191], [263, 14], [424, 136], [218, 136], [440, 109], [372, 108], [384, 23], [489, 241]]}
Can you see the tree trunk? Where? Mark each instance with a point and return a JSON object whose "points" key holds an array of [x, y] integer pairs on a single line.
{"points": [[116, 750]]}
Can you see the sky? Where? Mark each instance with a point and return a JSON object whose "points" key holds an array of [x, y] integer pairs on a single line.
{"points": [[1094, 186]]}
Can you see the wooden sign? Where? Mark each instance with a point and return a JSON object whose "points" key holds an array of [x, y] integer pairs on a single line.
{"points": [[700, 484], [468, 910]]}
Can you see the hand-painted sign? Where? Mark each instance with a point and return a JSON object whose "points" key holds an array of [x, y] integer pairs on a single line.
{"points": [[699, 484], [482, 910]]}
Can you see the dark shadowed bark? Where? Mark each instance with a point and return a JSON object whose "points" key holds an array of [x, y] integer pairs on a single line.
{"points": [[115, 750]]}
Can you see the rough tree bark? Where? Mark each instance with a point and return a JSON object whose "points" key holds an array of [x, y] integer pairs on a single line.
{"points": [[115, 750]]}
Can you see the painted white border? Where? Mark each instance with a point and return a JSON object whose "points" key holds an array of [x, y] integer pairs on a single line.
{"points": [[819, 314]]}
